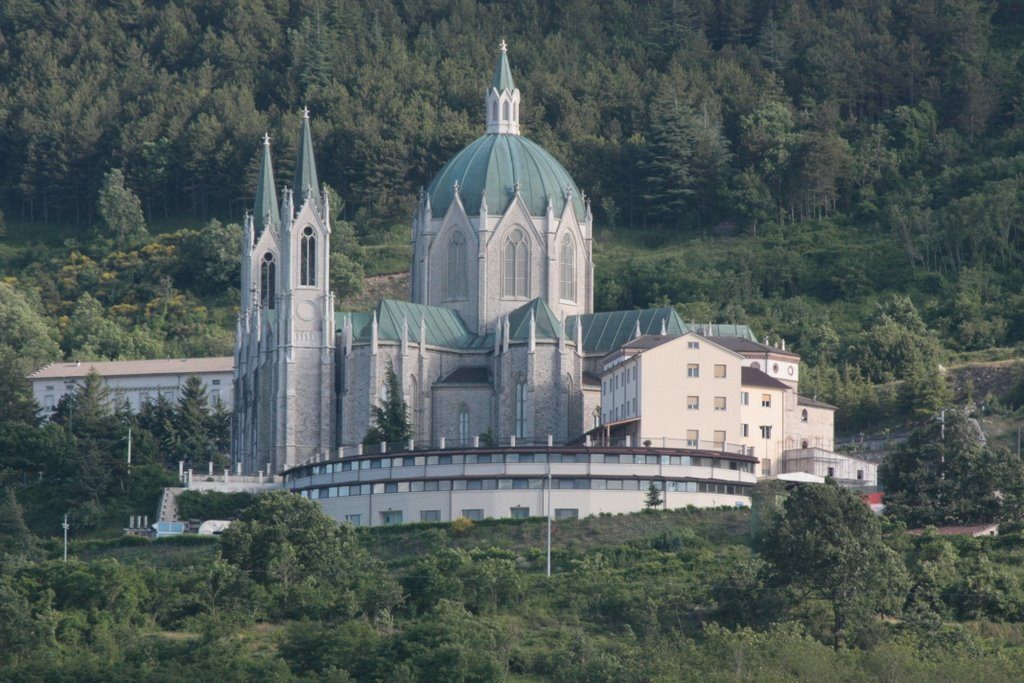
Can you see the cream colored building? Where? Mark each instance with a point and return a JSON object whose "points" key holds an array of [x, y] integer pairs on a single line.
{"points": [[720, 393]]}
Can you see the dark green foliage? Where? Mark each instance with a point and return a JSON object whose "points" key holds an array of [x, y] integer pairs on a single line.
{"points": [[119, 209], [827, 545], [653, 500], [945, 474], [213, 504], [391, 418]]}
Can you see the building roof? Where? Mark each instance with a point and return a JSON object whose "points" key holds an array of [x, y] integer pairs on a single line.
{"points": [[966, 530], [125, 368], [750, 345], [814, 403], [443, 326], [496, 164], [752, 377], [545, 323], [468, 375], [609, 330]]}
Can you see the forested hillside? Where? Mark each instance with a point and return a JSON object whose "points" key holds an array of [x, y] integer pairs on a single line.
{"points": [[847, 176]]}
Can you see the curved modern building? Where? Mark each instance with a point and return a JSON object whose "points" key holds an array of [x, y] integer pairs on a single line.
{"points": [[476, 483]]}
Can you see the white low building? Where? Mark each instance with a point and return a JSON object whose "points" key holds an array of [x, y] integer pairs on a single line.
{"points": [[135, 381], [516, 482]]}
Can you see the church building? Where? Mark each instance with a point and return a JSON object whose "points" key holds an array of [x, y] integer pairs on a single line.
{"points": [[499, 340]]}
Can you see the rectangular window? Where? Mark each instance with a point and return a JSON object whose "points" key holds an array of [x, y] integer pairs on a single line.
{"points": [[766, 431], [48, 402], [692, 370], [475, 514], [745, 430], [745, 398], [520, 512], [567, 513], [354, 520], [860, 475], [719, 372], [391, 517], [693, 402], [692, 345], [831, 471], [216, 381], [692, 436], [430, 515], [766, 400], [719, 438], [719, 402]]}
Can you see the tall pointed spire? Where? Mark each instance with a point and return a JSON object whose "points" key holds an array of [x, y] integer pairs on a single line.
{"points": [[265, 211], [305, 164], [503, 72], [502, 99]]}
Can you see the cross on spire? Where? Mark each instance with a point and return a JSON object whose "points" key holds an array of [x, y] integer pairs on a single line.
{"points": [[305, 112], [503, 45]]}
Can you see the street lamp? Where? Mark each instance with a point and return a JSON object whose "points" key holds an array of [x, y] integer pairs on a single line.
{"points": [[65, 526]]}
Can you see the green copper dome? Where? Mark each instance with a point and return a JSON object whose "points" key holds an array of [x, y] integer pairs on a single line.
{"points": [[495, 163]]}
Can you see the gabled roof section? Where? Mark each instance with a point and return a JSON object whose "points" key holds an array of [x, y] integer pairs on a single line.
{"points": [[443, 326], [743, 345], [503, 72], [519, 321], [265, 210], [604, 332], [467, 376], [305, 165], [752, 377], [126, 368], [814, 403]]}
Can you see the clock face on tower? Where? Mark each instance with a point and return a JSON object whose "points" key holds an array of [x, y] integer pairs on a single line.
{"points": [[306, 311]]}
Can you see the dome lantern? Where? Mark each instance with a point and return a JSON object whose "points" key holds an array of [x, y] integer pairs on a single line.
{"points": [[502, 101]]}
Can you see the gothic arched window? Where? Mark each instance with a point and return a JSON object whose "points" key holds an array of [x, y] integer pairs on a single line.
{"points": [[268, 280], [567, 262], [463, 425], [520, 426], [455, 286], [307, 258], [504, 111], [517, 258], [494, 110]]}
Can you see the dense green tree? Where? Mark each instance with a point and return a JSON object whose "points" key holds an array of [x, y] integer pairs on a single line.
{"points": [[652, 501], [119, 209], [827, 545], [390, 418], [945, 474]]}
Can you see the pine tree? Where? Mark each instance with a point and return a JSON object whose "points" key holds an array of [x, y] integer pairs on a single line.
{"points": [[653, 500], [391, 418], [120, 209]]}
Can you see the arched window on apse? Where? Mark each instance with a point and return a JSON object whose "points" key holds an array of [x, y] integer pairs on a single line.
{"points": [[307, 255], [464, 437], [268, 280], [520, 417]]}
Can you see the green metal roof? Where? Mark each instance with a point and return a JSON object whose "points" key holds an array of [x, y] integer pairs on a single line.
{"points": [[494, 163], [265, 208], [503, 73], [305, 165], [544, 320], [607, 331], [444, 326]]}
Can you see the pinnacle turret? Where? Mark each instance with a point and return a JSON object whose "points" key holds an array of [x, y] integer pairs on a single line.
{"points": [[306, 181], [265, 210], [502, 98]]}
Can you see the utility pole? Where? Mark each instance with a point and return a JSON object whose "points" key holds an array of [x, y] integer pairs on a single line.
{"points": [[65, 526], [129, 450], [549, 519]]}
